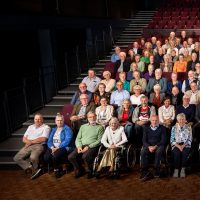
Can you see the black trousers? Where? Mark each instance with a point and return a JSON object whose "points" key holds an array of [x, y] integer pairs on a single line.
{"points": [[145, 154], [56, 158], [88, 157], [180, 157]]}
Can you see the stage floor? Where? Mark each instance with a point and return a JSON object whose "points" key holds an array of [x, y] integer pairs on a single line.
{"points": [[15, 185]]}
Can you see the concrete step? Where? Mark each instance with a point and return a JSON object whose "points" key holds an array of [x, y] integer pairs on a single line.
{"points": [[10, 146], [59, 100], [7, 163], [68, 91], [50, 122], [48, 112], [19, 132], [104, 60]]}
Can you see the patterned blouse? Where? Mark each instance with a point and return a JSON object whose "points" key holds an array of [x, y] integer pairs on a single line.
{"points": [[181, 135]]}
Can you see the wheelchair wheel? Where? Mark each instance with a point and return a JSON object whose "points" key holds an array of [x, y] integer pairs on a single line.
{"points": [[117, 167], [97, 159], [130, 156]]}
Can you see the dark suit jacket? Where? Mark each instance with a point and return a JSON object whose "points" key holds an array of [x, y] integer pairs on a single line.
{"points": [[90, 107], [189, 65], [126, 66]]}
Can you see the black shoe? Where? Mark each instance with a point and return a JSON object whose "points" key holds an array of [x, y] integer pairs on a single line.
{"points": [[59, 174], [79, 173], [36, 174], [144, 176], [97, 175], [90, 175]]}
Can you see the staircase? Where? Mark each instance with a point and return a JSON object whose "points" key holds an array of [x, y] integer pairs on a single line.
{"points": [[12, 145]]}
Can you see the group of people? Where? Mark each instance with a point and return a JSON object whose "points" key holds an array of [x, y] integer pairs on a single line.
{"points": [[136, 104]]}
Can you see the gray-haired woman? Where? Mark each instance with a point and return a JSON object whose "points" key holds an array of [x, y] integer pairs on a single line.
{"points": [[181, 139], [113, 137]]}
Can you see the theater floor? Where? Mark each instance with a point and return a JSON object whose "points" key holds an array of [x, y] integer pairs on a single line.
{"points": [[15, 185]]}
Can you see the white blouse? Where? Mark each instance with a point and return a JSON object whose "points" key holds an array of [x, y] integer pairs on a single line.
{"points": [[166, 113], [117, 137]]}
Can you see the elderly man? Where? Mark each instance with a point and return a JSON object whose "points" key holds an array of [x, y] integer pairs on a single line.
{"points": [[82, 90], [119, 95], [79, 112], [194, 93], [157, 80], [154, 140], [91, 81], [87, 144], [115, 56], [141, 116], [186, 83], [191, 64], [187, 109], [136, 48], [35, 136], [122, 65]]}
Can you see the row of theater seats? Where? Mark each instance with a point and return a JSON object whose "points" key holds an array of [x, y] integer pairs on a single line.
{"points": [[110, 67], [172, 16]]}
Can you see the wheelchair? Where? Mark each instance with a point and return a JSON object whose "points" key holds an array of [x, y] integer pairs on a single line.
{"points": [[124, 160]]}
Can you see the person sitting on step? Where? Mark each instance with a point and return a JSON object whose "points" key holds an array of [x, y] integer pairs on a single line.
{"points": [[35, 136]]}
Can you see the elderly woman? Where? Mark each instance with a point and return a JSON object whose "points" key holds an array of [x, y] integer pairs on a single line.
{"points": [[180, 65], [113, 137], [156, 97], [166, 65], [109, 82], [100, 93], [166, 113], [104, 112], [138, 81], [59, 145], [181, 138], [137, 94], [125, 113]]}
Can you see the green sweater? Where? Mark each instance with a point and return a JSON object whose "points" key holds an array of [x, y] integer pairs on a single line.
{"points": [[89, 135]]}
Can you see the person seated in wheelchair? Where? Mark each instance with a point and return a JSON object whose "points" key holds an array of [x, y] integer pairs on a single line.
{"points": [[59, 145], [181, 139], [113, 138], [154, 141]]}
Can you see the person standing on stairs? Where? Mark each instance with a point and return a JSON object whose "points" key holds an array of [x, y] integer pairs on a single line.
{"points": [[34, 139]]}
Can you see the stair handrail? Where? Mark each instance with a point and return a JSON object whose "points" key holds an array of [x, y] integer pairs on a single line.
{"points": [[111, 36]]}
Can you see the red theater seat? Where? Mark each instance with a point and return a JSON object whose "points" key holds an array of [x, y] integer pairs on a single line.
{"points": [[66, 112]]}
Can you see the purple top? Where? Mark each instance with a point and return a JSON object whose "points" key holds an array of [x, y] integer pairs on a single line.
{"points": [[147, 76]]}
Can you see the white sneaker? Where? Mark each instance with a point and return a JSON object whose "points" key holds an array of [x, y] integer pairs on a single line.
{"points": [[182, 173], [175, 175]]}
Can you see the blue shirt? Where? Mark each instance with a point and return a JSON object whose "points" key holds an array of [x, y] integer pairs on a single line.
{"points": [[117, 97], [114, 58]]}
